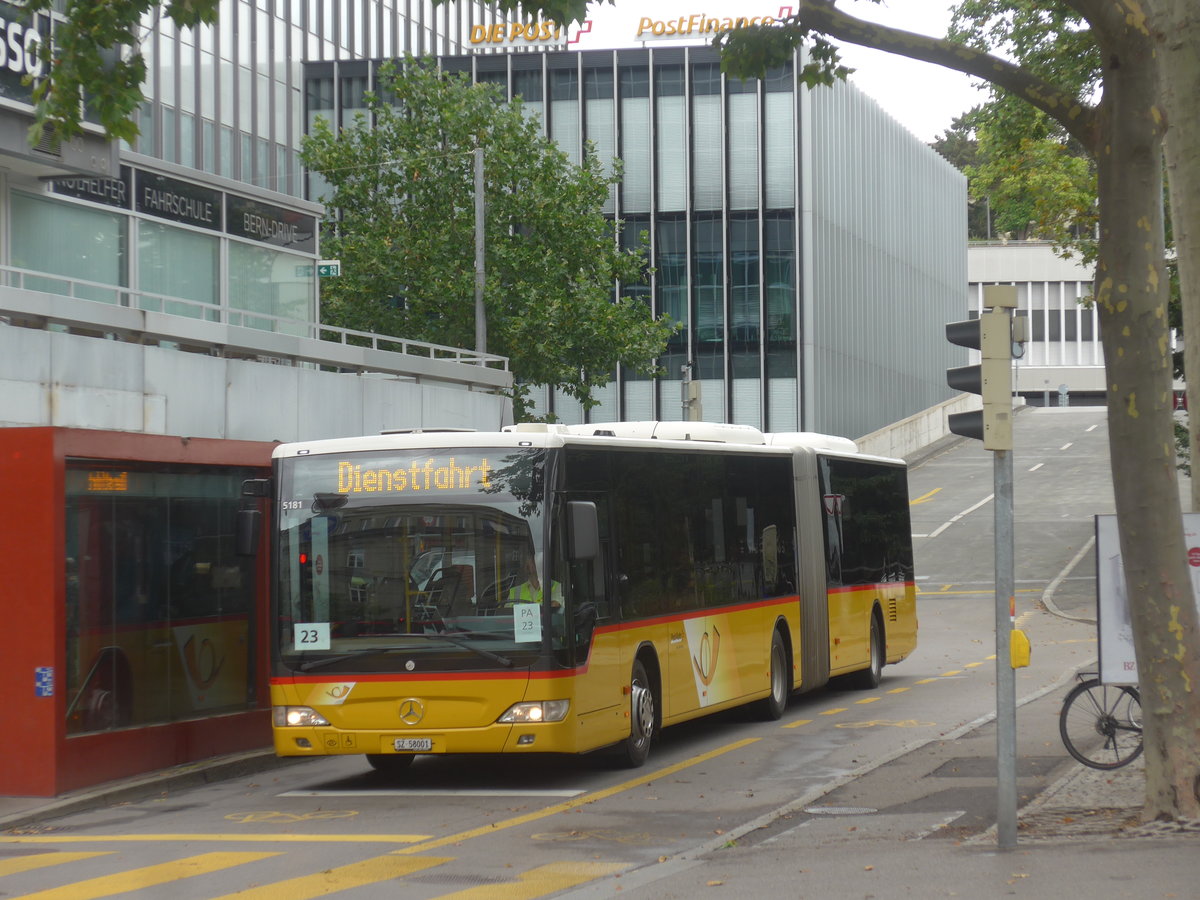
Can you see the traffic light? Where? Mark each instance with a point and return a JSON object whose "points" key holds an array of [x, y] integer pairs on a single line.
{"points": [[991, 334]]}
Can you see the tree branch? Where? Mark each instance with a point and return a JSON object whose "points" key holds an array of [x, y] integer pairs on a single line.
{"points": [[1077, 117]]}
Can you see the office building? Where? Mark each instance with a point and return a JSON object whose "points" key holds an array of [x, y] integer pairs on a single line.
{"points": [[812, 247]]}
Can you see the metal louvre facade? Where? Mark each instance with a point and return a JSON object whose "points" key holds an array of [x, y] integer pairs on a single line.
{"points": [[812, 247]]}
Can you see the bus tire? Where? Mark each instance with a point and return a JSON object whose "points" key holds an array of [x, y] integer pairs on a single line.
{"points": [[773, 705], [643, 719], [869, 678], [390, 763]]}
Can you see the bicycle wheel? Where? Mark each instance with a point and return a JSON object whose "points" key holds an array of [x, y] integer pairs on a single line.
{"points": [[1101, 724]]}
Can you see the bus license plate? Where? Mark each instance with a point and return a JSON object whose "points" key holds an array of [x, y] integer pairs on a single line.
{"points": [[412, 745]]}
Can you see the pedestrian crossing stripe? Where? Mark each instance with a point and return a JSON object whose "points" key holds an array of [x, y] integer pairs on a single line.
{"points": [[340, 878], [533, 883], [40, 860], [147, 876]]}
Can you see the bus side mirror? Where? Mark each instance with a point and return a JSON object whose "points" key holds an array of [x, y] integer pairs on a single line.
{"points": [[249, 519], [584, 530], [249, 526]]}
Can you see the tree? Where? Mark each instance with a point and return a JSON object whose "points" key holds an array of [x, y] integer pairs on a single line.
{"points": [[1123, 133], [403, 189], [94, 58]]}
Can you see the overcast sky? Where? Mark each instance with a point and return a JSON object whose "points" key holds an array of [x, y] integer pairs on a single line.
{"points": [[923, 97]]}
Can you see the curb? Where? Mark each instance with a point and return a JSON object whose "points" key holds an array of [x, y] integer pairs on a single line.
{"points": [[188, 775]]}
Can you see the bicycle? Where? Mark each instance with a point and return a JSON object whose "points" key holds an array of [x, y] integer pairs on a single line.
{"points": [[1101, 724]]}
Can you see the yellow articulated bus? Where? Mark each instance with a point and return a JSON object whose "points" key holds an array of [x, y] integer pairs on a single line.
{"points": [[563, 589]]}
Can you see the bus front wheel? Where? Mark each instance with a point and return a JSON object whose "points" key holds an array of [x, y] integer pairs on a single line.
{"points": [[642, 719]]}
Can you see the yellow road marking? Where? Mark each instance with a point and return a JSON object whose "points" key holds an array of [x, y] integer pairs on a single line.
{"points": [[833, 711], [148, 876], [575, 802], [944, 590], [797, 723], [540, 881], [923, 497], [234, 838], [868, 700], [898, 690], [926, 680], [972, 665], [41, 860], [341, 878], [951, 672]]}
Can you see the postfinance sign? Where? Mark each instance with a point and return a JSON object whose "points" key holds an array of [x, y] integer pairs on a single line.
{"points": [[695, 25]]}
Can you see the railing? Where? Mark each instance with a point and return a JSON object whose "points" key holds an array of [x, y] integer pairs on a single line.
{"points": [[38, 300]]}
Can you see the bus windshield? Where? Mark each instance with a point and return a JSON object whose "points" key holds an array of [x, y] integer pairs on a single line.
{"points": [[425, 560]]}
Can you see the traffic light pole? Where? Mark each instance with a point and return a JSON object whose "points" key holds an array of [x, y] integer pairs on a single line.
{"points": [[996, 334], [1006, 683]]}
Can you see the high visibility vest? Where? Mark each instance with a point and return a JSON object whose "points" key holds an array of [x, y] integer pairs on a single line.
{"points": [[526, 593]]}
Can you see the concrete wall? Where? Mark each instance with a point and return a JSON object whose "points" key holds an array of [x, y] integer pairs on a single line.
{"points": [[908, 436], [56, 378]]}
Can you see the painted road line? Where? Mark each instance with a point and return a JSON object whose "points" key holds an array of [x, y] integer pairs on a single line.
{"points": [[924, 497], [584, 800], [798, 723], [540, 881], [218, 838], [149, 876], [341, 878], [966, 512], [448, 792], [42, 860]]}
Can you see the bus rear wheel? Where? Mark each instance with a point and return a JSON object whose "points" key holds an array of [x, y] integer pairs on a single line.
{"points": [[390, 763], [772, 706], [643, 718], [869, 678]]}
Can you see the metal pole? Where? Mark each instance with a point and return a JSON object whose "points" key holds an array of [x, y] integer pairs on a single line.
{"points": [[480, 315], [1006, 696]]}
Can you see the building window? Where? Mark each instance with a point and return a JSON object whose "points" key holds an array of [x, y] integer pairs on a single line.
{"points": [[708, 280], [175, 262], [158, 604], [98, 242], [277, 286]]}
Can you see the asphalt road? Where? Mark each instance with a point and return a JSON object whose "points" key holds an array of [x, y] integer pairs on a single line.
{"points": [[500, 827]]}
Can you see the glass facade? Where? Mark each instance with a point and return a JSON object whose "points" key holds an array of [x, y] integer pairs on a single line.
{"points": [[158, 604], [709, 179], [242, 78], [794, 249]]}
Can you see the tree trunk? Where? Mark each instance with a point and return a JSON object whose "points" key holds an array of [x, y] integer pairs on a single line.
{"points": [[1131, 298], [1124, 135], [1178, 34]]}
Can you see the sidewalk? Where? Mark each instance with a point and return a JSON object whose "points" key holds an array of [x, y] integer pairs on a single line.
{"points": [[891, 833]]}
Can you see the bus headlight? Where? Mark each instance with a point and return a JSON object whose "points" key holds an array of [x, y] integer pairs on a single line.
{"points": [[536, 711], [296, 716]]}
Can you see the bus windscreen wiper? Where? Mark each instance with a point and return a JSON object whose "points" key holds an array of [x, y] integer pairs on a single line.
{"points": [[370, 651]]}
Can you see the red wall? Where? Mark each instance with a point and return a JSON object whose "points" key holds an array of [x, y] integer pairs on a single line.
{"points": [[38, 759], [31, 608]]}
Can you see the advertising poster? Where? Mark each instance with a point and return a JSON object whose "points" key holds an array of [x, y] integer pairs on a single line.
{"points": [[1117, 662]]}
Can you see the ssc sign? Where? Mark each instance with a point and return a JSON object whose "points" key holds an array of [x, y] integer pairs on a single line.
{"points": [[329, 268]]}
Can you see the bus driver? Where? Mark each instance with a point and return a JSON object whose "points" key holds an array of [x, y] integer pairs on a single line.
{"points": [[530, 591]]}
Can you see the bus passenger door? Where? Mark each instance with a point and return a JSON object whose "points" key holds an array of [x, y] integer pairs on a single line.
{"points": [[592, 598]]}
